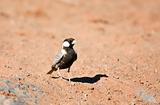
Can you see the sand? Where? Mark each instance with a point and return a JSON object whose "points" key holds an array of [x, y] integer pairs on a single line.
{"points": [[118, 46]]}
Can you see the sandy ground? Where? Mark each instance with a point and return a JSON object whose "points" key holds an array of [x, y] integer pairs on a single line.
{"points": [[118, 46]]}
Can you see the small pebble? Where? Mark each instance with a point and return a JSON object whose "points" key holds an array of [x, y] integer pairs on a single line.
{"points": [[109, 98], [20, 68]]}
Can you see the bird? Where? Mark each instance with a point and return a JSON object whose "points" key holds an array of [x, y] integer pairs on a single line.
{"points": [[65, 57]]}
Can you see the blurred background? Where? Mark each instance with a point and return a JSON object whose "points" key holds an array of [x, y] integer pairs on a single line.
{"points": [[119, 38]]}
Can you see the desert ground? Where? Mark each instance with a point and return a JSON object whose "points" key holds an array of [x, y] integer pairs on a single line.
{"points": [[118, 47]]}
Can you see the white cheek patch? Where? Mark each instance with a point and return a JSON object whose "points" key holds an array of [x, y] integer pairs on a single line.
{"points": [[66, 44]]}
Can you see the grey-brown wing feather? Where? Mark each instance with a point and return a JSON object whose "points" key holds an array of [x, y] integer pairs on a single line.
{"points": [[58, 58]]}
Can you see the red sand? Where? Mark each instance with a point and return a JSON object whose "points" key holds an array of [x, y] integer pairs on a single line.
{"points": [[119, 38]]}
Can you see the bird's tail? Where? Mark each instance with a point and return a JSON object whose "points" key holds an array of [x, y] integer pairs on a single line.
{"points": [[52, 69]]}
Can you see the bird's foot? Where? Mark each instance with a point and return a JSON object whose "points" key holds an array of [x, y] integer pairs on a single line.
{"points": [[55, 77], [70, 82], [60, 77]]}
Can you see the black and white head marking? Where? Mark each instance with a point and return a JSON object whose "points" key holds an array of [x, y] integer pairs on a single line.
{"points": [[70, 42]]}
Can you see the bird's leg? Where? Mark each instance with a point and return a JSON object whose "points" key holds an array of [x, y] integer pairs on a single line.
{"points": [[58, 70], [69, 69], [69, 78], [69, 75]]}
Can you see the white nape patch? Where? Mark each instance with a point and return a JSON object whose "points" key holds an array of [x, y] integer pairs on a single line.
{"points": [[74, 42], [66, 44], [63, 52]]}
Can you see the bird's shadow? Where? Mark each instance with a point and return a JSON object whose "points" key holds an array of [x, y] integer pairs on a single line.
{"points": [[90, 80]]}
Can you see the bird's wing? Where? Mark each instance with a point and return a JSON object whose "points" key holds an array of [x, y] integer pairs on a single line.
{"points": [[58, 58]]}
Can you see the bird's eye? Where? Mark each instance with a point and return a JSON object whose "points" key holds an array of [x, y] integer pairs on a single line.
{"points": [[66, 44]]}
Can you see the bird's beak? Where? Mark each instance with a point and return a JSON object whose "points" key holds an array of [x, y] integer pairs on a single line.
{"points": [[74, 41]]}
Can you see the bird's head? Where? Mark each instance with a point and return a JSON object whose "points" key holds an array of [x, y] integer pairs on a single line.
{"points": [[69, 42]]}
